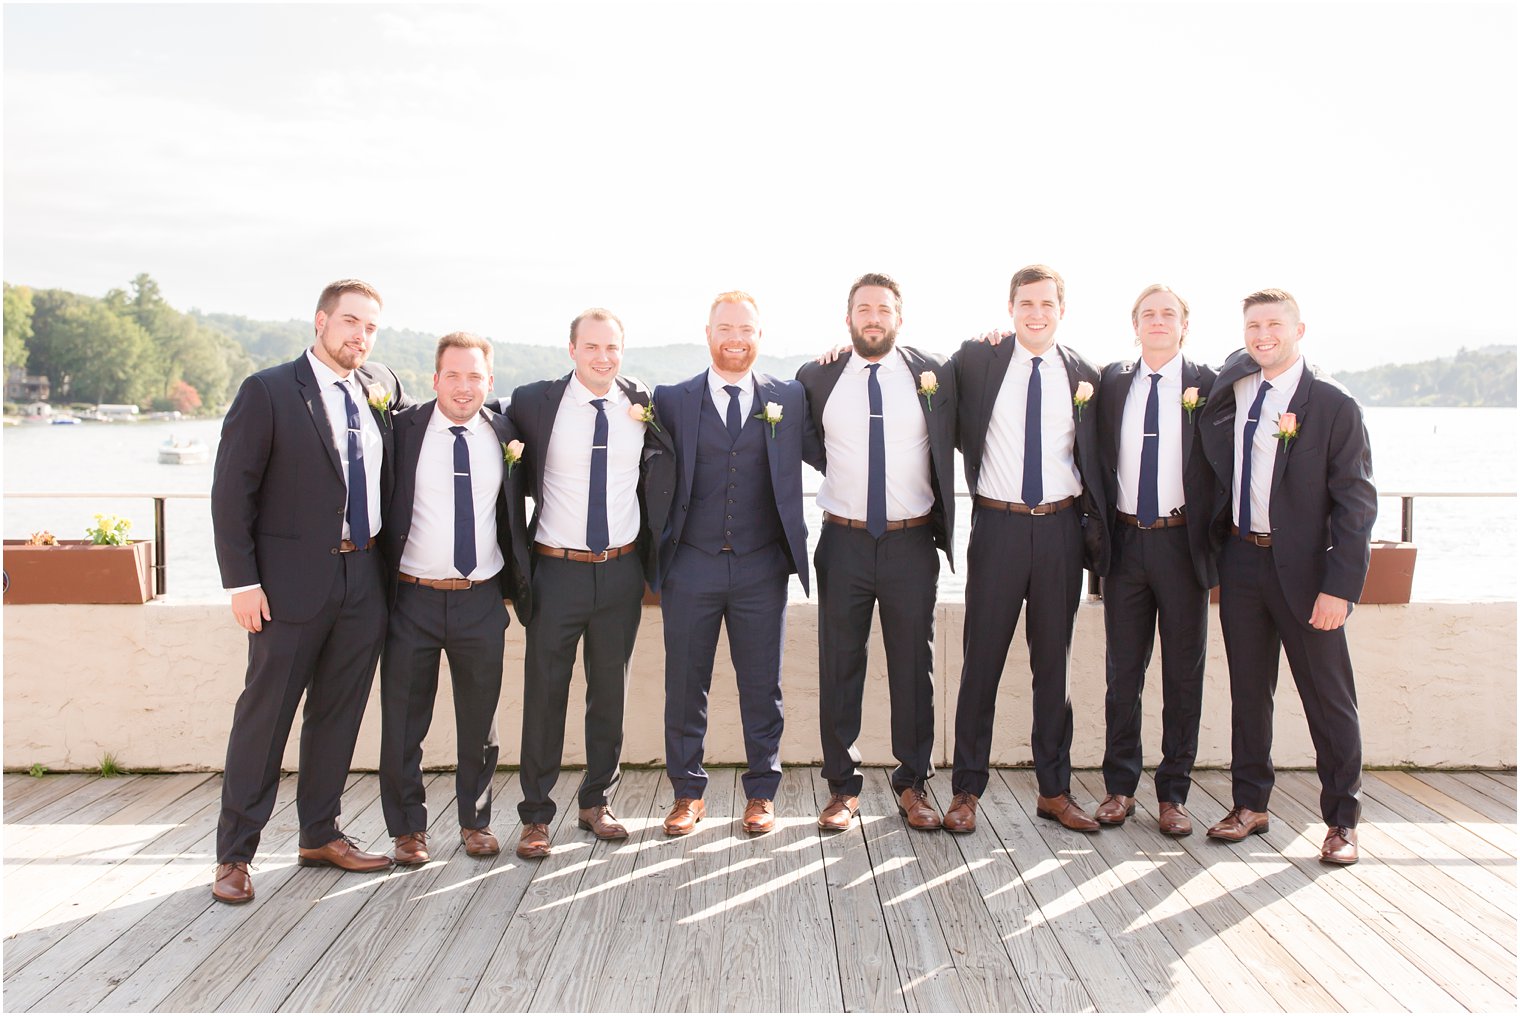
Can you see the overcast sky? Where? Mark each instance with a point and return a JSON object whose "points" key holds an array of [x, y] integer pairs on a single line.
{"points": [[500, 169]]}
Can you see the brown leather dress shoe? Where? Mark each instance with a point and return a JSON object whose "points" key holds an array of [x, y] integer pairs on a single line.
{"points": [[479, 842], [601, 823], [1238, 824], [961, 818], [838, 813], [233, 884], [341, 853], [411, 848], [1065, 810], [534, 841], [1174, 820], [684, 815], [759, 816], [1340, 846], [914, 806], [1115, 809]]}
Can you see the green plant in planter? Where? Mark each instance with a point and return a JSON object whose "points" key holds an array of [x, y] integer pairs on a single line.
{"points": [[109, 530]]}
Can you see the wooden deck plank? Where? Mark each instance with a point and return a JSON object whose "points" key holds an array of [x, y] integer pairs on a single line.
{"points": [[778, 916], [50, 829], [1482, 854], [33, 792], [481, 906], [1382, 902], [1505, 777], [1454, 787], [1452, 810], [1484, 784], [559, 974], [692, 968]]}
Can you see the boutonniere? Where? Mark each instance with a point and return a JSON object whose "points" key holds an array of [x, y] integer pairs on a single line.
{"points": [[771, 414], [1082, 397], [380, 402], [643, 414], [1287, 428], [928, 384], [511, 454], [1192, 401]]}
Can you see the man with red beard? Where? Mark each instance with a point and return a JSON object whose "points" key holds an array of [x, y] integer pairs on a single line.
{"points": [[734, 534]]}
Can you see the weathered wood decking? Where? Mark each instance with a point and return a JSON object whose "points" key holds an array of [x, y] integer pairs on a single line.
{"points": [[107, 906]]}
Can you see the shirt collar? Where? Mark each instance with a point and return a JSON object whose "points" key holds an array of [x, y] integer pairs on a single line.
{"points": [[1289, 378], [583, 395], [1023, 355], [890, 364], [1169, 371], [715, 383], [440, 422], [326, 375]]}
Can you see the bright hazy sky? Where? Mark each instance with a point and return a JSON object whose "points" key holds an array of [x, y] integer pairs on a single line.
{"points": [[498, 170]]}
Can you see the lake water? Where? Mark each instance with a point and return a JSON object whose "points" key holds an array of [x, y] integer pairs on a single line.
{"points": [[1466, 545]]}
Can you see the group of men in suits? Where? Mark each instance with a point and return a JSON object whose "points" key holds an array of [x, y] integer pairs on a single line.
{"points": [[350, 519]]}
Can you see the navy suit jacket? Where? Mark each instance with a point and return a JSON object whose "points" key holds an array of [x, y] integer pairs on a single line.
{"points": [[278, 493], [511, 529], [980, 368], [531, 414], [678, 408], [818, 380], [1323, 503], [1200, 488]]}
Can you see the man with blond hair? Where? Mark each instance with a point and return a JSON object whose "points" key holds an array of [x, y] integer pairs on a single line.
{"points": [[1294, 528], [1159, 492], [735, 534]]}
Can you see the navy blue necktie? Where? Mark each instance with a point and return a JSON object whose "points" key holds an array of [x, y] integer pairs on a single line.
{"points": [[1034, 472], [876, 459], [596, 498], [1150, 457], [734, 423], [464, 505], [358, 489], [1247, 453]]}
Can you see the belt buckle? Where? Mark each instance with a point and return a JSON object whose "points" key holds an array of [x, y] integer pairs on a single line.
{"points": [[1036, 510], [604, 558]]}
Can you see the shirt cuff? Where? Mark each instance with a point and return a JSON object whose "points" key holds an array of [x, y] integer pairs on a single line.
{"points": [[242, 589]]}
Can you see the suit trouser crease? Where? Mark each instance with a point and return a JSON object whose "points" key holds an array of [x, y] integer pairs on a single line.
{"points": [[898, 575], [330, 658], [1015, 560], [469, 626], [747, 596], [596, 607], [1152, 585]]}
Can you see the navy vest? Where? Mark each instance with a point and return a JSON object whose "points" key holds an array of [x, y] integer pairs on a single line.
{"points": [[732, 501]]}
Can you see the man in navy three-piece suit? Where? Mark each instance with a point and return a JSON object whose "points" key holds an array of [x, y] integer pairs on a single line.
{"points": [[734, 535]]}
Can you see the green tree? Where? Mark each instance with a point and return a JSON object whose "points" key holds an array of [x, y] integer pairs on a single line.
{"points": [[18, 324], [90, 349]]}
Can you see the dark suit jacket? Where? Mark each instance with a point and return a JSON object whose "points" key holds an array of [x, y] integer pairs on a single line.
{"points": [[979, 371], [278, 493], [818, 380], [1199, 486], [678, 408], [511, 530], [1323, 502], [531, 414]]}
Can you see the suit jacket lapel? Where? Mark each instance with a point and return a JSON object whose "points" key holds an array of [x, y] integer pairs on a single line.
{"points": [[692, 394], [382, 420], [1297, 406], [548, 409], [311, 394], [1112, 397], [1189, 420]]}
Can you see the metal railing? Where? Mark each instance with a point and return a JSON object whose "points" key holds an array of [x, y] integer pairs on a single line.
{"points": [[161, 553]]}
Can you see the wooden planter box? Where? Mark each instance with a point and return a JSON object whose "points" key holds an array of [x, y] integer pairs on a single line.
{"points": [[1390, 574], [77, 571]]}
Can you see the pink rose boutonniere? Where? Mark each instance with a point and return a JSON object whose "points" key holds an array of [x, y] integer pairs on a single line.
{"points": [[1082, 397], [380, 402], [928, 384], [1287, 428], [1192, 401], [511, 454], [643, 414]]}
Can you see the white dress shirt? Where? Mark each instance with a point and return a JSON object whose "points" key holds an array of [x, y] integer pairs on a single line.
{"points": [[847, 441], [1002, 474], [746, 385], [429, 550], [567, 470], [1264, 446], [1169, 492]]}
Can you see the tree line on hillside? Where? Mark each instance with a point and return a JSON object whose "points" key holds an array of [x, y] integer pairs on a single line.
{"points": [[1473, 377]]}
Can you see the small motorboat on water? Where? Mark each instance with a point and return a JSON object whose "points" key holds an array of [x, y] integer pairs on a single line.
{"points": [[181, 453], [64, 421]]}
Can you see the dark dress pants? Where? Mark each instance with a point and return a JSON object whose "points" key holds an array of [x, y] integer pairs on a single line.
{"points": [[576, 602], [331, 660], [1012, 560], [470, 626], [897, 575], [747, 595], [1151, 583], [1257, 622]]}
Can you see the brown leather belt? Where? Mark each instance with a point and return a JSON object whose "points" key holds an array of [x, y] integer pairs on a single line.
{"points": [[1018, 508], [922, 520], [1260, 539], [1162, 522], [348, 546], [448, 585], [584, 556]]}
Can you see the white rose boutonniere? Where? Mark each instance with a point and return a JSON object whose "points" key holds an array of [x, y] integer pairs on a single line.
{"points": [[771, 414], [928, 384], [511, 454], [380, 402], [1082, 397]]}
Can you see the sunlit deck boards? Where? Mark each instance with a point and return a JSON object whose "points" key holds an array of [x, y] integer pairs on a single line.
{"points": [[107, 907]]}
